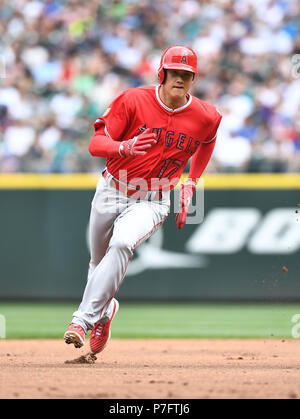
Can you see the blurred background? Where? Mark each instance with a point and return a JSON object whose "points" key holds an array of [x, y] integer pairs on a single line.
{"points": [[65, 61], [61, 64]]}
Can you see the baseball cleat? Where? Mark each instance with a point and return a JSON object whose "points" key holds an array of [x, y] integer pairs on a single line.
{"points": [[75, 334], [101, 333]]}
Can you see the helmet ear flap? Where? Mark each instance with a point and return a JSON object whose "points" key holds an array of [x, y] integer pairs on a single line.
{"points": [[161, 75]]}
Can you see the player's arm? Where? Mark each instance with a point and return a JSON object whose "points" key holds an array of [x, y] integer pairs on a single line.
{"points": [[112, 126], [102, 145], [199, 161]]}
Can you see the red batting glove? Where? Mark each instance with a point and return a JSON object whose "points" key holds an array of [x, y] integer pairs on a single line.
{"points": [[138, 145], [185, 198]]}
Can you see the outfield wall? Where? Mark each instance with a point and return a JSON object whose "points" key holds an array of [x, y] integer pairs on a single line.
{"points": [[250, 231]]}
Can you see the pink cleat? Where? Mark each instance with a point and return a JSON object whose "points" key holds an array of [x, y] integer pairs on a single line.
{"points": [[75, 334], [101, 333]]}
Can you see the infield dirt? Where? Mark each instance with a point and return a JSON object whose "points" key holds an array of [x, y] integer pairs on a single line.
{"points": [[160, 369]]}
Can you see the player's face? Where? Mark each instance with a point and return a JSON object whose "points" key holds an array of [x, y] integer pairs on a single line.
{"points": [[178, 83]]}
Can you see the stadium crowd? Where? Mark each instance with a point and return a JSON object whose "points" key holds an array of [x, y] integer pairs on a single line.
{"points": [[64, 61]]}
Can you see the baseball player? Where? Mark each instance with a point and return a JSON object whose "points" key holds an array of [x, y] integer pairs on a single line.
{"points": [[148, 134]]}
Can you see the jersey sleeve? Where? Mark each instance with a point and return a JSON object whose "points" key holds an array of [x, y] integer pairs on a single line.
{"points": [[114, 121], [214, 125]]}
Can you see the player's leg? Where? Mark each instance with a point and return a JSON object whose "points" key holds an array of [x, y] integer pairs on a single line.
{"points": [[100, 232], [133, 226], [102, 217]]}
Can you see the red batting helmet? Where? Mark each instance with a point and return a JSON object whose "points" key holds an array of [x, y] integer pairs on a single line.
{"points": [[177, 57]]}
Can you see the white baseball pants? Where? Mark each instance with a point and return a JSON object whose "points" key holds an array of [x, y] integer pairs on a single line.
{"points": [[117, 225]]}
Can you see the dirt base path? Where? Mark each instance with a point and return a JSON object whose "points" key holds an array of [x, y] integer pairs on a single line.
{"points": [[163, 369]]}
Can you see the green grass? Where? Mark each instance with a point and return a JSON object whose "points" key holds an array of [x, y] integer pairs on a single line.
{"points": [[196, 320]]}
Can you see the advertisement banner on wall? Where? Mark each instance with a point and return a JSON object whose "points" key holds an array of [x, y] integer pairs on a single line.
{"points": [[246, 247]]}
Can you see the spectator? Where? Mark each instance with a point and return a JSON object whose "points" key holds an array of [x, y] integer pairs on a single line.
{"points": [[65, 62], [18, 138], [62, 154]]}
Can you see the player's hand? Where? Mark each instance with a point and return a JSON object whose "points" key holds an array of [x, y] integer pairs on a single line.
{"points": [[139, 145], [185, 198]]}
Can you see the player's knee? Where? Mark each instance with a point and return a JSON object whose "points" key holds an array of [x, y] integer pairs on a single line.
{"points": [[121, 244]]}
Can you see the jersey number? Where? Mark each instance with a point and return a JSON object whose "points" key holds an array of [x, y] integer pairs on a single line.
{"points": [[172, 164]]}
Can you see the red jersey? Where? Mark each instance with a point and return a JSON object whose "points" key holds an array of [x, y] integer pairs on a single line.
{"points": [[179, 132]]}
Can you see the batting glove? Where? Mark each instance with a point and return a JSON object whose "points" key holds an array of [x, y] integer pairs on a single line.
{"points": [[138, 145], [185, 198]]}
